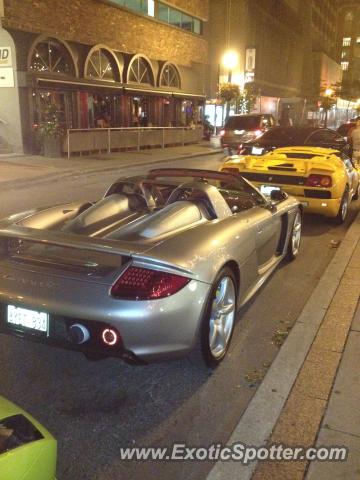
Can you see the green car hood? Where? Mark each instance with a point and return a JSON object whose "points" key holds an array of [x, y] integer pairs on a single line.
{"points": [[32, 453]]}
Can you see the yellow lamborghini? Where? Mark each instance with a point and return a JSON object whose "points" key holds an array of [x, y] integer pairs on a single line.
{"points": [[322, 179]]}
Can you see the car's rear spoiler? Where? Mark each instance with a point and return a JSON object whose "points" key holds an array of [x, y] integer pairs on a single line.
{"points": [[110, 247], [48, 237], [193, 173]]}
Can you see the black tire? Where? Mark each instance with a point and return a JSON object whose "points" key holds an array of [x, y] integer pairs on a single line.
{"points": [[357, 193], [343, 209], [293, 248], [202, 355]]}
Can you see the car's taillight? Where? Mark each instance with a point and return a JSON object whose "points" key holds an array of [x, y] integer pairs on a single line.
{"points": [[318, 181], [145, 284], [222, 133]]}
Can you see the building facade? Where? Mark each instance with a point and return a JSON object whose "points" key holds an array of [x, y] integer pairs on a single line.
{"points": [[349, 47], [286, 51], [96, 63]]}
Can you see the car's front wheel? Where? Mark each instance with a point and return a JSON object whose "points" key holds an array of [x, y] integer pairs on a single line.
{"points": [[218, 321]]}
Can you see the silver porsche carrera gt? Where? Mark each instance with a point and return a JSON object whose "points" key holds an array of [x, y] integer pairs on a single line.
{"points": [[155, 269]]}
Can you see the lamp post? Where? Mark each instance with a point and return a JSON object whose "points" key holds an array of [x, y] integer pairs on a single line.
{"points": [[230, 60], [328, 94]]}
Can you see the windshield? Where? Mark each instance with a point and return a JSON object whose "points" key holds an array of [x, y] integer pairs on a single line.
{"points": [[243, 123]]}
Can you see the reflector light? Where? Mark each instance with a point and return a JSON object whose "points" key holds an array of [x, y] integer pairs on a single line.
{"points": [[109, 336], [145, 284], [318, 181]]}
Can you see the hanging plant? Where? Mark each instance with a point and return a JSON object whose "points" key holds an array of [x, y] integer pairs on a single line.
{"points": [[228, 92]]}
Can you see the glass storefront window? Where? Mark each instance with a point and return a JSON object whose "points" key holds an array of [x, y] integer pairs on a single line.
{"points": [[170, 77], [140, 71], [52, 56], [101, 66]]}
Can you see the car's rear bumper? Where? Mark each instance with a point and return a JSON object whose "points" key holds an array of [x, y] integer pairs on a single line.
{"points": [[322, 206], [149, 330]]}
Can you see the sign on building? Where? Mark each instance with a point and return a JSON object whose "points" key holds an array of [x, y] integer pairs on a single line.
{"points": [[5, 57], [6, 70], [250, 60]]}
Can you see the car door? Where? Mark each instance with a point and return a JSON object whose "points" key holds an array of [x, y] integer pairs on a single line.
{"points": [[351, 172], [267, 225]]}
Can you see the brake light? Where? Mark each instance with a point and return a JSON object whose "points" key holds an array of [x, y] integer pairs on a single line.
{"points": [[222, 133], [145, 284], [318, 181]]}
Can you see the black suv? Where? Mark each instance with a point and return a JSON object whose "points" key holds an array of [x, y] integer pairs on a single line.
{"points": [[243, 128]]}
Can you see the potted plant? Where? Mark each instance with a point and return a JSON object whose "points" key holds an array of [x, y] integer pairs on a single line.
{"points": [[51, 132]]}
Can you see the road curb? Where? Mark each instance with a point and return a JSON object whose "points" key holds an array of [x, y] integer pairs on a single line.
{"points": [[260, 417], [77, 174]]}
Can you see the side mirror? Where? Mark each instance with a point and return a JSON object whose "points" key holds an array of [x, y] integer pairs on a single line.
{"points": [[277, 196]]}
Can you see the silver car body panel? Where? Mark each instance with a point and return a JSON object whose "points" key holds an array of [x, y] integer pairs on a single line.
{"points": [[46, 267]]}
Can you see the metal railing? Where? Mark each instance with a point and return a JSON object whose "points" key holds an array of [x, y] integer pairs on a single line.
{"points": [[115, 139]]}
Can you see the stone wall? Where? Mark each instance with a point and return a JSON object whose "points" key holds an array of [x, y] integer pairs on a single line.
{"points": [[92, 21]]}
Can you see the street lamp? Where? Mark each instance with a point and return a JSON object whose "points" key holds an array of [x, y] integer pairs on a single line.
{"points": [[327, 104], [230, 60]]}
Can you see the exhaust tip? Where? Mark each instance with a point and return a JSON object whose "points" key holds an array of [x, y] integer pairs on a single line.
{"points": [[78, 334]]}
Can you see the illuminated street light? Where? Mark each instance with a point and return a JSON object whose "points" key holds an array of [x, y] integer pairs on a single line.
{"points": [[230, 60], [329, 92]]}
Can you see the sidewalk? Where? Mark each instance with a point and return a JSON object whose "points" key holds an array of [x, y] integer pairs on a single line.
{"points": [[34, 168], [311, 393]]}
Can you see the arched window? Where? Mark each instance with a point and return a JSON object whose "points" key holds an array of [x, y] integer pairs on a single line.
{"points": [[52, 56], [101, 65], [170, 76], [140, 71]]}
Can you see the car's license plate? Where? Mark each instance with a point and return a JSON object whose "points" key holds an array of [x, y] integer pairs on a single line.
{"points": [[267, 189], [31, 319], [256, 151]]}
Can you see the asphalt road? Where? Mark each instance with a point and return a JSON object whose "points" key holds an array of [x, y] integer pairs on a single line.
{"points": [[94, 408]]}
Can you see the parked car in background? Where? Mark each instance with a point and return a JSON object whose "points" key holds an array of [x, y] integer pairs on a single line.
{"points": [[295, 136], [27, 450], [323, 180], [243, 128], [345, 128]]}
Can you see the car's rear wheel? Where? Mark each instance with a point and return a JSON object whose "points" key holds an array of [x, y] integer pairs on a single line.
{"points": [[344, 208], [217, 324], [295, 237]]}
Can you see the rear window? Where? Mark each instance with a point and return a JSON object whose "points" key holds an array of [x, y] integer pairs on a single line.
{"points": [[243, 123], [292, 137], [344, 129]]}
